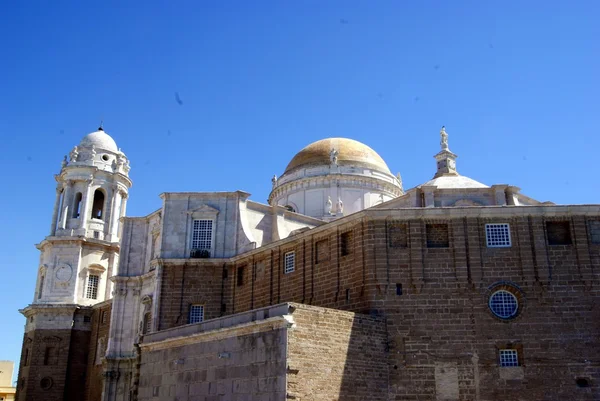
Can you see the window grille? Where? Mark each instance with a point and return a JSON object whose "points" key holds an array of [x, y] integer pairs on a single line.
{"points": [[202, 234], [594, 228], [290, 262], [497, 235], [92, 287], [504, 304], [196, 313], [509, 357]]}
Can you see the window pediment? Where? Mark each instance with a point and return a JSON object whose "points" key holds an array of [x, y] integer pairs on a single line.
{"points": [[204, 212], [96, 268]]}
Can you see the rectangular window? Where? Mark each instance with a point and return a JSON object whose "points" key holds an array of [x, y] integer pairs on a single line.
{"points": [[289, 262], [594, 227], [509, 357], [346, 243], [196, 313], [559, 232], [240, 276], [51, 356], [497, 235], [41, 290], [202, 235], [91, 291], [322, 251], [398, 289], [26, 357], [397, 235], [437, 236], [103, 317]]}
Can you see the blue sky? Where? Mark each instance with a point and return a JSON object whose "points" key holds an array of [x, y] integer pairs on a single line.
{"points": [[515, 83]]}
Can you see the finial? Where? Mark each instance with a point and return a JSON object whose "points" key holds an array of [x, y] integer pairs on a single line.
{"points": [[444, 138], [100, 127]]}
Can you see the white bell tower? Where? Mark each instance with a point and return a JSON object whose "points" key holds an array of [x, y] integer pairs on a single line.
{"points": [[82, 249]]}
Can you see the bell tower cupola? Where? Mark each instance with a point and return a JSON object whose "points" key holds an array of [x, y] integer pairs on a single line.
{"points": [[92, 190]]}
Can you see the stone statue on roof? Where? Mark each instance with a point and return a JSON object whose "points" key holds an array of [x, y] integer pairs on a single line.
{"points": [[333, 156], [444, 138], [74, 154]]}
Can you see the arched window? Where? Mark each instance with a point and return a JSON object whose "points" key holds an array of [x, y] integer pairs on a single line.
{"points": [[147, 324], [77, 205], [98, 206]]}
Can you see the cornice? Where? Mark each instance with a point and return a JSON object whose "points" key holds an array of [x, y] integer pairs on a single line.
{"points": [[345, 179], [269, 324], [32, 309], [203, 195], [114, 246]]}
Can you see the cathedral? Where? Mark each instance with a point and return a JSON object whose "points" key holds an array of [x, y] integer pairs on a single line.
{"points": [[344, 286]]}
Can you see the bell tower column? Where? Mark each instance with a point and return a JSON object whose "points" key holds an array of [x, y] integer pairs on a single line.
{"points": [[115, 215], [67, 200], [113, 212], [86, 203], [59, 192]]}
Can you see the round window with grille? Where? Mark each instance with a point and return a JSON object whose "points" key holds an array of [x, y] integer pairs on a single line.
{"points": [[504, 304]]}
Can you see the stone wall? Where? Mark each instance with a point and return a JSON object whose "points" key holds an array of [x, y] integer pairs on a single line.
{"points": [[434, 294], [239, 357], [258, 280], [287, 351], [53, 360], [336, 355], [199, 282], [96, 352], [444, 339]]}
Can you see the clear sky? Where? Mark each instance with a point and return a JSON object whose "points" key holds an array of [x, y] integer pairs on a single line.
{"points": [[219, 96]]}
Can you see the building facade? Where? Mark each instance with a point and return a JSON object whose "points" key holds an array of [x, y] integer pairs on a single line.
{"points": [[344, 286], [7, 390]]}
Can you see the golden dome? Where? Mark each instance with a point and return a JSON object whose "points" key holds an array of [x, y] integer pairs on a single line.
{"points": [[350, 153]]}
